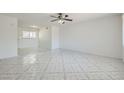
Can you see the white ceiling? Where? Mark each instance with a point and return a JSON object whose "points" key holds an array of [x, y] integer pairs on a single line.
{"points": [[43, 19]]}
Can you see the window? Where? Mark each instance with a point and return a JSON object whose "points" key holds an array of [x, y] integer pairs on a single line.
{"points": [[28, 35], [32, 34]]}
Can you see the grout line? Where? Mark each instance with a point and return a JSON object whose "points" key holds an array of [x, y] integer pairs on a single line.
{"points": [[63, 65], [46, 68]]}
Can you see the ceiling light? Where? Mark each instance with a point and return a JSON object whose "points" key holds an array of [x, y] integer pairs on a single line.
{"points": [[34, 26], [61, 21]]}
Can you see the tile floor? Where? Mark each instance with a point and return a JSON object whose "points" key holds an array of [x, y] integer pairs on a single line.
{"points": [[60, 65]]}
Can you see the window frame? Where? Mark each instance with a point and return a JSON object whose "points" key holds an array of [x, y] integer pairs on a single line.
{"points": [[31, 35]]}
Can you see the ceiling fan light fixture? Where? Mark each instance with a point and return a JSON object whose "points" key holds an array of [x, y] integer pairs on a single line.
{"points": [[61, 21]]}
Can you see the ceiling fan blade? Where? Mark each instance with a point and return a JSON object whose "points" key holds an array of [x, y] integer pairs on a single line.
{"points": [[54, 16], [68, 19], [54, 20], [60, 13]]}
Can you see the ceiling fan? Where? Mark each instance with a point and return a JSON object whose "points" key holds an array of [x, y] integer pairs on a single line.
{"points": [[61, 18]]}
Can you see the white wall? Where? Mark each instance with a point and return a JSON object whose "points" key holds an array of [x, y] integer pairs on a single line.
{"points": [[27, 43], [55, 37], [101, 36], [45, 38], [8, 37], [123, 35]]}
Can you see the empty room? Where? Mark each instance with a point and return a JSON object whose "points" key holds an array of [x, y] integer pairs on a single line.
{"points": [[61, 46]]}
